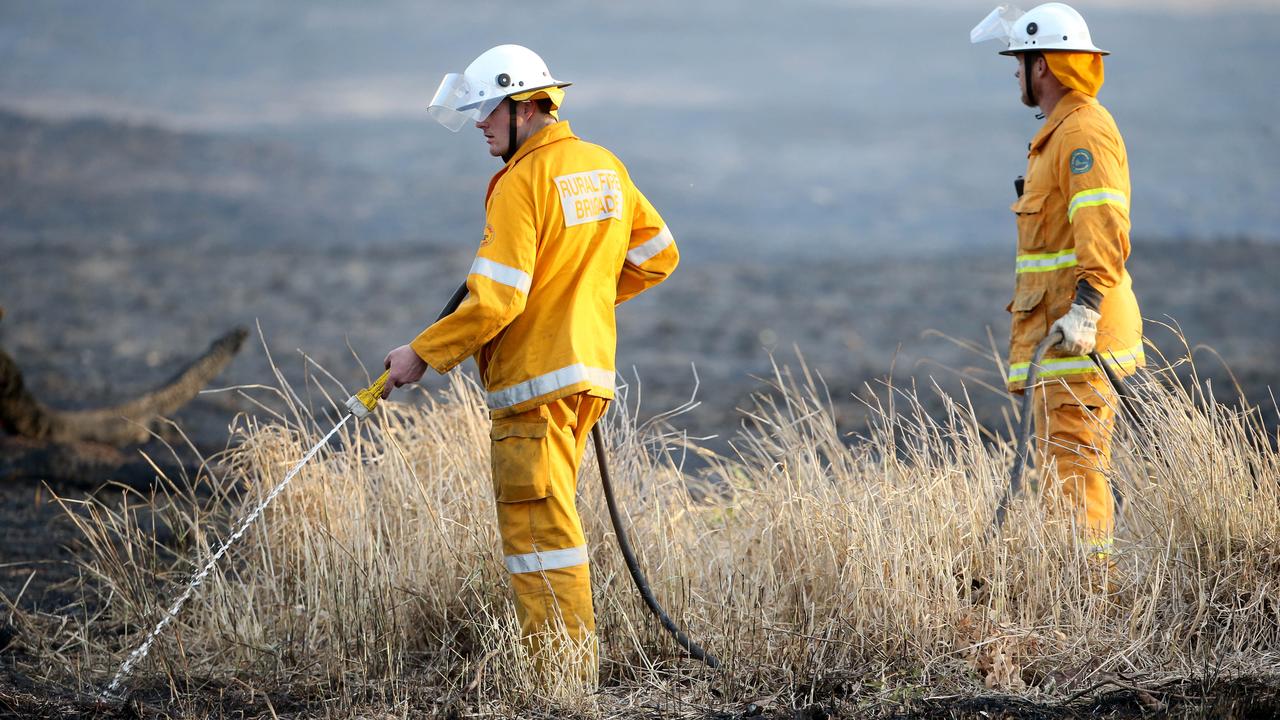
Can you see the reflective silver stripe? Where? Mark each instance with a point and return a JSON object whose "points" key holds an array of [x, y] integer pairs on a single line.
{"points": [[546, 560], [505, 274], [1095, 196], [1046, 262], [549, 383], [642, 253]]}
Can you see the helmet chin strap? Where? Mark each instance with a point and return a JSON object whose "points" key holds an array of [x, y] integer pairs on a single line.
{"points": [[1027, 63], [1026, 73], [511, 134]]}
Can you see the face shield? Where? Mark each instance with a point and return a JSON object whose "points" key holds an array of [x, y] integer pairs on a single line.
{"points": [[998, 25], [459, 101]]}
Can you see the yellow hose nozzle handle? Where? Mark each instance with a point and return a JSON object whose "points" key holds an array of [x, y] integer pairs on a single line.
{"points": [[364, 401]]}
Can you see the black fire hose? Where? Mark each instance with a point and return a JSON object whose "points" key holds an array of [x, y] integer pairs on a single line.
{"points": [[1122, 390], [1024, 432], [458, 296], [642, 584], [624, 544]]}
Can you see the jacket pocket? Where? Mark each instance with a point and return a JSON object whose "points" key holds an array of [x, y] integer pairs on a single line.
{"points": [[1029, 323], [520, 459], [1026, 300], [1030, 211]]}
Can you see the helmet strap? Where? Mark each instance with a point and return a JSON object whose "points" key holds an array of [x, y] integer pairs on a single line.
{"points": [[1027, 64], [512, 105]]}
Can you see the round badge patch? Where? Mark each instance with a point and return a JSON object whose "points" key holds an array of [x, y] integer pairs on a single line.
{"points": [[1081, 161]]}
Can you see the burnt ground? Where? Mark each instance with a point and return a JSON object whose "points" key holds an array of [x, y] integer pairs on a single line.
{"points": [[1183, 700], [125, 249]]}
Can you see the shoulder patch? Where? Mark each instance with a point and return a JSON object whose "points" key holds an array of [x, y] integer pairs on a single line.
{"points": [[1081, 161], [488, 235]]}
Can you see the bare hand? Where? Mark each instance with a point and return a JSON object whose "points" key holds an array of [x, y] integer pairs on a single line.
{"points": [[405, 366]]}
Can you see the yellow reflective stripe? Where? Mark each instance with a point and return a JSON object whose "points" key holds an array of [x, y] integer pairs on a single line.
{"points": [[1078, 364], [1044, 262], [1100, 549], [1096, 196], [1018, 371]]}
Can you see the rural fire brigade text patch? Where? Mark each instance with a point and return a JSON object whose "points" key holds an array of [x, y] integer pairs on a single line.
{"points": [[590, 196]]}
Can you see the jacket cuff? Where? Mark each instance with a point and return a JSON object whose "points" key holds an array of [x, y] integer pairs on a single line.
{"points": [[1088, 296], [437, 357]]}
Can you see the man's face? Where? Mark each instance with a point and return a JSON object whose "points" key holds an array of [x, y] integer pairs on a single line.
{"points": [[496, 129]]}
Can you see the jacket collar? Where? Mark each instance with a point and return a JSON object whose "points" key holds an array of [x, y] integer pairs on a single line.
{"points": [[1071, 102], [552, 133]]}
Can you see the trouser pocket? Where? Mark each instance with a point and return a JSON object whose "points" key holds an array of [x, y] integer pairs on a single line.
{"points": [[1073, 428], [520, 459]]}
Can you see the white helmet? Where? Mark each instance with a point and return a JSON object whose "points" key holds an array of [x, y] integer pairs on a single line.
{"points": [[498, 73], [1051, 26]]}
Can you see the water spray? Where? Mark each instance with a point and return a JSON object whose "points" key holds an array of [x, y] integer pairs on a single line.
{"points": [[360, 406]]}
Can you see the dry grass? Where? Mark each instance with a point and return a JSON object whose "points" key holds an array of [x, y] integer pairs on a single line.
{"points": [[816, 566]]}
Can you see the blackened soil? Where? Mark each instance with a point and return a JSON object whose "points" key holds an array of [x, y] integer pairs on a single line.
{"points": [[1246, 699], [37, 543]]}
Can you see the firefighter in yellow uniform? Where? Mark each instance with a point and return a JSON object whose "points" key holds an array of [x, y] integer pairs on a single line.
{"points": [[1073, 240], [567, 237]]}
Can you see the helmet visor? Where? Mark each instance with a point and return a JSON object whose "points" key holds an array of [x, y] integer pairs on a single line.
{"points": [[458, 101], [997, 25]]}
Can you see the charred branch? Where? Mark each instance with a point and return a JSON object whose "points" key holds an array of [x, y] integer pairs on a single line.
{"points": [[124, 424]]}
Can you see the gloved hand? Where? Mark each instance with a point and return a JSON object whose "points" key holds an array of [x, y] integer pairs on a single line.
{"points": [[1079, 330]]}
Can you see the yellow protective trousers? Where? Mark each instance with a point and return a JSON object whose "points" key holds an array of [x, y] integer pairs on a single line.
{"points": [[1073, 436], [536, 455]]}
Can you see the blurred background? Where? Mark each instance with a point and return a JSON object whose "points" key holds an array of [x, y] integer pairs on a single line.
{"points": [[837, 175]]}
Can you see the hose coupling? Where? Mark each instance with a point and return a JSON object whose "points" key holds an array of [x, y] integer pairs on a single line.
{"points": [[364, 401]]}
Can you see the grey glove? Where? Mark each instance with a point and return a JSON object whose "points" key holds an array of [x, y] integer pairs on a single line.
{"points": [[1079, 330]]}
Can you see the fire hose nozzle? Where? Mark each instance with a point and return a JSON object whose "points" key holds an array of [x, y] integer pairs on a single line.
{"points": [[364, 401]]}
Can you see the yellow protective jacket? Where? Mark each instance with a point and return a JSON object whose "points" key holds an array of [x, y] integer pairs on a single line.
{"points": [[1073, 225], [567, 237]]}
